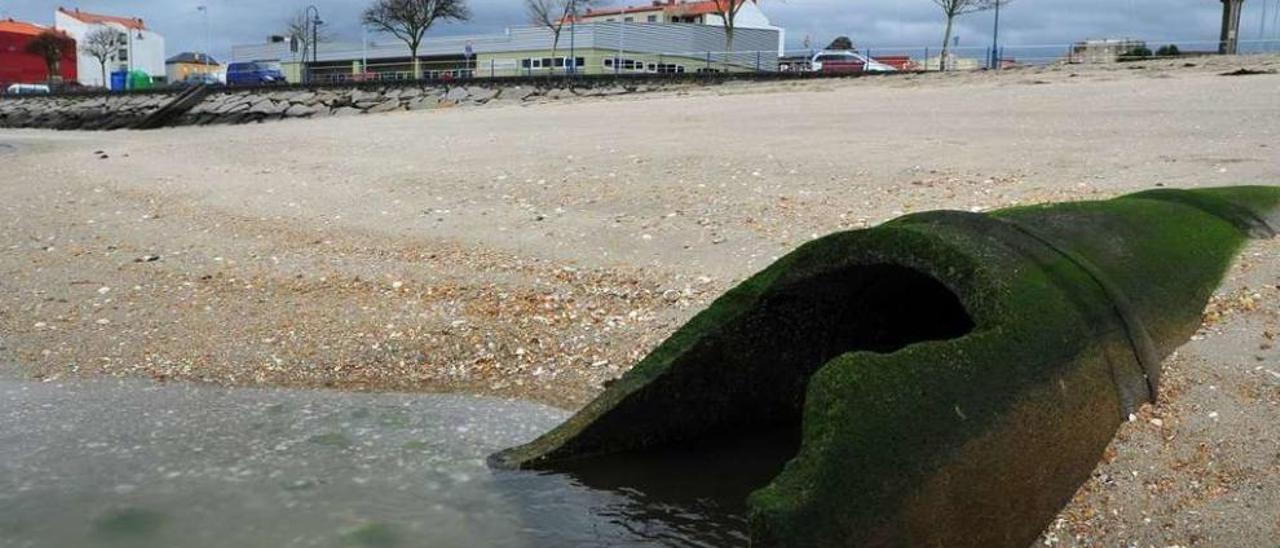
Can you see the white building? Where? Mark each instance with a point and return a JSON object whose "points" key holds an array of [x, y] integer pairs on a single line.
{"points": [[139, 47], [697, 12]]}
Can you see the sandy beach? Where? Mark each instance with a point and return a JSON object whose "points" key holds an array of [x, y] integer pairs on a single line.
{"points": [[539, 251]]}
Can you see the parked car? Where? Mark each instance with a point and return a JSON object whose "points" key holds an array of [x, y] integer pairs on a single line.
{"points": [[27, 89], [199, 79], [846, 62], [254, 73]]}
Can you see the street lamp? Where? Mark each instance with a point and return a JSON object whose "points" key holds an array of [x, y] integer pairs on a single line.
{"points": [[205, 11], [312, 19], [995, 39]]}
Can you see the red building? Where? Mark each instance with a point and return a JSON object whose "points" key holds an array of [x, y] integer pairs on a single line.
{"points": [[19, 67]]}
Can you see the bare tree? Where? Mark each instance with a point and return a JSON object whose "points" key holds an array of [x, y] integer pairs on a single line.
{"points": [[409, 20], [102, 44], [49, 46], [300, 28], [553, 14], [727, 11], [953, 9]]}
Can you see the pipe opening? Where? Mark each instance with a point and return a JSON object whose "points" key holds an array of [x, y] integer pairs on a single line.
{"points": [[728, 413]]}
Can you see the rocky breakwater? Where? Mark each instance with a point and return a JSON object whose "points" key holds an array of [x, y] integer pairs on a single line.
{"points": [[239, 107], [80, 111]]}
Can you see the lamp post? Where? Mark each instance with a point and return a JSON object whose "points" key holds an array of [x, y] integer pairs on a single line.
{"points": [[573, 33], [205, 11], [1230, 39], [312, 20], [995, 39], [622, 40]]}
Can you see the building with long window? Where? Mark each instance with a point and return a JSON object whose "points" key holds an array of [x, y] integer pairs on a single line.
{"points": [[600, 47]]}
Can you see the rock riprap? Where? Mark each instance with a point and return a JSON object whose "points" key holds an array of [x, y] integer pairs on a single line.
{"points": [[950, 378], [241, 106]]}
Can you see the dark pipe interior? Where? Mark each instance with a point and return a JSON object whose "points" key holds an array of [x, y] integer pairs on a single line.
{"points": [[739, 394]]}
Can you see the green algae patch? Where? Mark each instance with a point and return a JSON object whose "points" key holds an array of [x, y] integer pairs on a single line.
{"points": [[372, 535], [332, 439], [954, 377]]}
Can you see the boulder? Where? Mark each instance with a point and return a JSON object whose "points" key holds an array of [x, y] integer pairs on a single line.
{"points": [[423, 103], [362, 96], [482, 95], [298, 111], [386, 105], [457, 94]]}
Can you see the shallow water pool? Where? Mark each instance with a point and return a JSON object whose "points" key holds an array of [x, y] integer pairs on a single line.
{"points": [[131, 463]]}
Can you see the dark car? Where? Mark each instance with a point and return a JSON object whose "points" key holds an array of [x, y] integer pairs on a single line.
{"points": [[254, 73]]}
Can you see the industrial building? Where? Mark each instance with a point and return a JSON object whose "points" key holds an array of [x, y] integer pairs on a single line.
{"points": [[600, 42]]}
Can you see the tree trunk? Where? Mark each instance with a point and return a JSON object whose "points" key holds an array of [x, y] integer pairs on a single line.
{"points": [[103, 65], [417, 66], [555, 45], [946, 43], [728, 43]]}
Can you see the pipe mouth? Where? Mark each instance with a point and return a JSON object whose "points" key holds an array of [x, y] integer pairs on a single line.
{"points": [[726, 417]]}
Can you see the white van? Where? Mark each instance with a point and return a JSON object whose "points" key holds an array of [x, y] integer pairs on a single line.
{"points": [[27, 89]]}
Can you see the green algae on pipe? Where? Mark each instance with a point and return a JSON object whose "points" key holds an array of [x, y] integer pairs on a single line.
{"points": [[954, 377]]}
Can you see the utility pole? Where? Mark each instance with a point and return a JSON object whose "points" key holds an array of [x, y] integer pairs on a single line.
{"points": [[995, 39], [312, 17], [205, 11], [573, 35], [1230, 39], [622, 39]]}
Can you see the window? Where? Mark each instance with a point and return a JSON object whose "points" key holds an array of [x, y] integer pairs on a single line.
{"points": [[653, 18], [623, 64], [526, 63], [629, 19], [579, 62], [559, 62]]}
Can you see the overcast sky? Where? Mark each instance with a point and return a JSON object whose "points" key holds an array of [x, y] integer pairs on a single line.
{"points": [[874, 23]]}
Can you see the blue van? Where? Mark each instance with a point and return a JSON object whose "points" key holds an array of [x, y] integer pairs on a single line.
{"points": [[254, 73]]}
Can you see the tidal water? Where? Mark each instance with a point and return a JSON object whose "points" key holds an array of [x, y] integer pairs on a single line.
{"points": [[132, 463]]}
